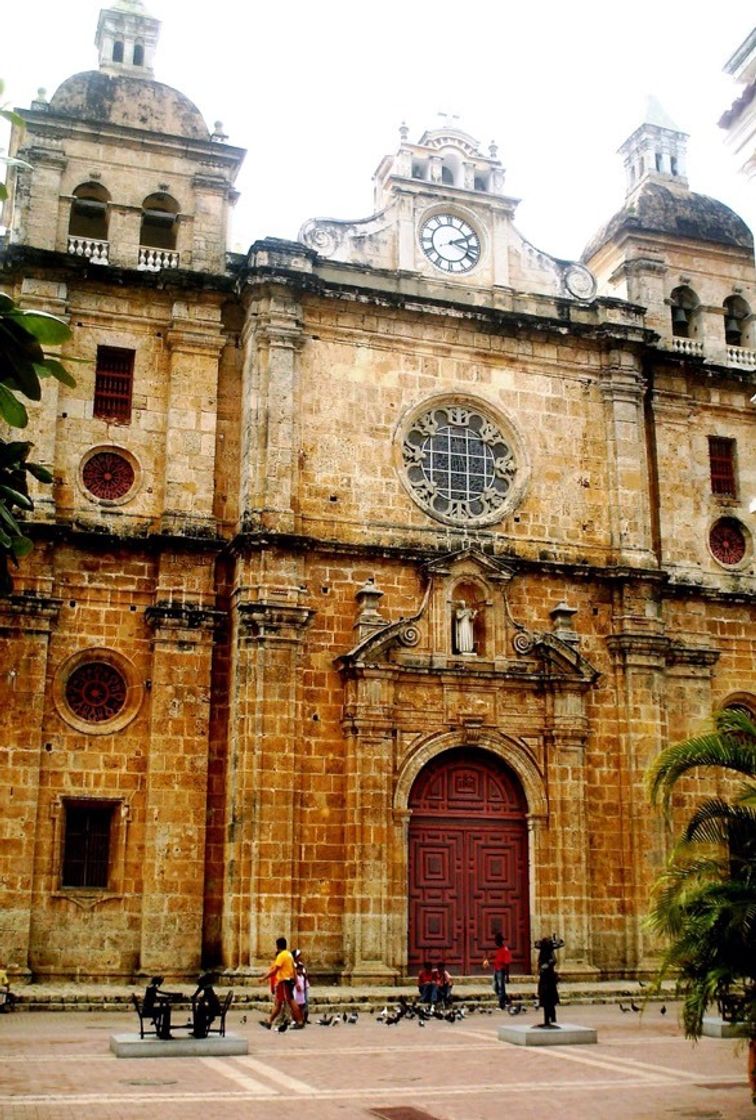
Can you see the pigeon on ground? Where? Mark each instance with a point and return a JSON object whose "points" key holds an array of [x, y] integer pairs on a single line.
{"points": [[663, 1009], [353, 1017], [623, 1009], [634, 1005], [243, 1019]]}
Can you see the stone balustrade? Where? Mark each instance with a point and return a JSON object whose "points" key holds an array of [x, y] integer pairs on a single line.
{"points": [[155, 260], [689, 346], [742, 357], [95, 251]]}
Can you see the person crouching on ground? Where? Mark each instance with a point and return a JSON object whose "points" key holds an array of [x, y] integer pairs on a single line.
{"points": [[426, 984], [282, 974], [444, 984]]}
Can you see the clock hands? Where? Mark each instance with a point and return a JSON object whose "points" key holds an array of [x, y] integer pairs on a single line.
{"points": [[467, 242]]}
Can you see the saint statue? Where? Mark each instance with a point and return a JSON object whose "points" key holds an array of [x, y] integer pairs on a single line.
{"points": [[464, 636]]}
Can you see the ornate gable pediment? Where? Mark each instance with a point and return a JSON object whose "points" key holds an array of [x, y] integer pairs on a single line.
{"points": [[464, 627]]}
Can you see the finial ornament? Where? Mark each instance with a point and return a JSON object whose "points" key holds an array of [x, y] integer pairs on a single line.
{"points": [[403, 131]]}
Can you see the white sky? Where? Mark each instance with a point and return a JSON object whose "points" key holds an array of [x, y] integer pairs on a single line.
{"points": [[316, 93]]}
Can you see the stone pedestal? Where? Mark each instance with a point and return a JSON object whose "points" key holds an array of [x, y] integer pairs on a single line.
{"points": [[561, 1034], [714, 1026], [132, 1046]]}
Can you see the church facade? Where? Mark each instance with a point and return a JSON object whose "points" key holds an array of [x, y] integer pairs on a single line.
{"points": [[378, 564]]}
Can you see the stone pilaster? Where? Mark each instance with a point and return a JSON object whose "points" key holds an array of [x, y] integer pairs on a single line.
{"points": [[565, 907], [628, 504], [175, 804], [270, 424], [26, 622], [195, 342], [262, 779], [640, 657], [37, 195], [372, 903]]}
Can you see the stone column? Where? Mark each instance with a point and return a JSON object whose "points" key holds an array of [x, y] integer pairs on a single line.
{"points": [[25, 625], [628, 500], [176, 796], [195, 341], [262, 775]]}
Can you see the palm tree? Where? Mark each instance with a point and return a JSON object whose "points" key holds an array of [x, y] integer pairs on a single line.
{"points": [[704, 903]]}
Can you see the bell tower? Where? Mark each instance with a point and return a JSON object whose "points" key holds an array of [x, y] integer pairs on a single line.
{"points": [[126, 39], [655, 152]]}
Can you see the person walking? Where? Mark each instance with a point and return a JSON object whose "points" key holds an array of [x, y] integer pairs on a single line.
{"points": [[282, 975], [301, 985]]}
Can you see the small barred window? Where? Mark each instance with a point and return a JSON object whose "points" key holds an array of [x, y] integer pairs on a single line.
{"points": [[113, 384], [722, 466]]}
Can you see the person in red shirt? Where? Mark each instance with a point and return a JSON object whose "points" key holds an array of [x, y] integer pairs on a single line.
{"points": [[500, 963], [426, 984]]}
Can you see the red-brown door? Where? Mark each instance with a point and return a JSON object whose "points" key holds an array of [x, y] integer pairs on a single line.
{"points": [[468, 870]]}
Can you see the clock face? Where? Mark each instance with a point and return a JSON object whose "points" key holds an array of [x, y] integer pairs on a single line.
{"points": [[450, 243]]}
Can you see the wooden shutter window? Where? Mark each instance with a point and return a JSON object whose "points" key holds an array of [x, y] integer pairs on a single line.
{"points": [[114, 379], [86, 852], [722, 466]]}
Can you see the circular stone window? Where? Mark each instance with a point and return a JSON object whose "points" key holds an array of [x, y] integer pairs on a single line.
{"points": [[459, 466], [95, 691], [728, 542], [107, 474]]}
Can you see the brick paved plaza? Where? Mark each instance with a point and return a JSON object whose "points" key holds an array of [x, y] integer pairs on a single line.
{"points": [[58, 1065]]}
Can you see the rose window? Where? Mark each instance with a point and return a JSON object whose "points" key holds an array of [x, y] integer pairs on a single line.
{"points": [[108, 475], [96, 691], [458, 464], [727, 541]]}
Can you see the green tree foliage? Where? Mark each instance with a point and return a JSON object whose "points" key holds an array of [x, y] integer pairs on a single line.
{"points": [[12, 118], [704, 903], [24, 364]]}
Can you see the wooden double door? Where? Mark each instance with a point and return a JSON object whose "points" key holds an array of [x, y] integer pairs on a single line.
{"points": [[468, 863]]}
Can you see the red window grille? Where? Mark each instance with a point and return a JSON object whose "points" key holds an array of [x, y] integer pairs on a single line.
{"points": [[114, 378], [722, 466], [86, 845]]}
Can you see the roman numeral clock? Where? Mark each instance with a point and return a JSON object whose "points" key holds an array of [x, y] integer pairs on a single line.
{"points": [[450, 243]]}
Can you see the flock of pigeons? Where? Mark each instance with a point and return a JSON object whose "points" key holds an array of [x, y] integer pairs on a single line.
{"points": [[422, 1013]]}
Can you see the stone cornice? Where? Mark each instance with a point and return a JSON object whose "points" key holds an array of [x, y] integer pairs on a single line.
{"points": [[169, 615], [273, 621], [30, 613]]}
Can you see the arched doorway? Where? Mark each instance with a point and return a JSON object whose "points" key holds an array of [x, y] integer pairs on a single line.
{"points": [[468, 862]]}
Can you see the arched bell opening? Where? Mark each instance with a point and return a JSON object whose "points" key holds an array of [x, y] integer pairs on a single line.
{"points": [[89, 212], [159, 228]]}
